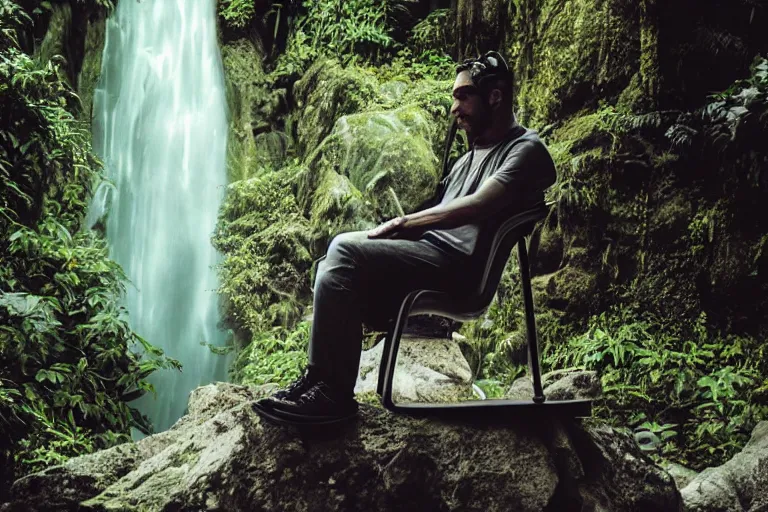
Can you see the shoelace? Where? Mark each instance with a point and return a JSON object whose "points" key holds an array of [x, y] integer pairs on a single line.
{"points": [[311, 393], [299, 383]]}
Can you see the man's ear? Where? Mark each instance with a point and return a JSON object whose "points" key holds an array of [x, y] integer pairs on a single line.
{"points": [[494, 99]]}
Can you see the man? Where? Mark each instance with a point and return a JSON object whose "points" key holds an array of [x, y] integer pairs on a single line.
{"points": [[506, 172]]}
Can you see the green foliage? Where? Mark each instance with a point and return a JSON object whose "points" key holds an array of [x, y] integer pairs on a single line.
{"points": [[13, 19], [702, 229], [495, 347], [658, 377], [436, 33], [67, 369], [492, 388], [738, 116], [264, 240], [237, 13], [412, 67], [348, 30], [277, 355], [731, 122]]}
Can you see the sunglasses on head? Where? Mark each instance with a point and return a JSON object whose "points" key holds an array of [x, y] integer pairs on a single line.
{"points": [[492, 63]]}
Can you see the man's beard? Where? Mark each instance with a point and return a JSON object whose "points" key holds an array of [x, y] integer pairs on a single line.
{"points": [[475, 126]]}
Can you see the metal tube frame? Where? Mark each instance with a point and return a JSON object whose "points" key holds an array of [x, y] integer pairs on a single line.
{"points": [[392, 341]]}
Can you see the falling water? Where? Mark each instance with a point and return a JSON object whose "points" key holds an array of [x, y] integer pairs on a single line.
{"points": [[160, 126]]}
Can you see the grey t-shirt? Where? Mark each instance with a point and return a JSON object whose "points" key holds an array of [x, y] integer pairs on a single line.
{"points": [[521, 163]]}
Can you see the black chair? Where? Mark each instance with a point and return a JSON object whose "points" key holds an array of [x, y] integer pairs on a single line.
{"points": [[464, 307], [470, 305]]}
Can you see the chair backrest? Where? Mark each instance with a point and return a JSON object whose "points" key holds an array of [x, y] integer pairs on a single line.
{"points": [[497, 249]]}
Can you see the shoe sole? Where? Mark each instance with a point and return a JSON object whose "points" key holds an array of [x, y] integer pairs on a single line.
{"points": [[286, 418]]}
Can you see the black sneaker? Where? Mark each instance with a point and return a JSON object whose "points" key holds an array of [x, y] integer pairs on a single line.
{"points": [[320, 403], [295, 389]]}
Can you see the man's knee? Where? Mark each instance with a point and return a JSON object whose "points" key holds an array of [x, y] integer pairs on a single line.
{"points": [[340, 263], [347, 243]]}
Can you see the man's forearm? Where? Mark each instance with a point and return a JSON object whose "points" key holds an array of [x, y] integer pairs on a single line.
{"points": [[490, 198], [444, 216]]}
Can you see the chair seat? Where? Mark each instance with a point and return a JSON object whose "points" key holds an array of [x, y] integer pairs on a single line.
{"points": [[459, 308]]}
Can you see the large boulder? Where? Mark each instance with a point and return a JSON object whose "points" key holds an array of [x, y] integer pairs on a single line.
{"points": [[428, 370], [222, 456], [326, 92], [736, 486], [387, 155], [559, 385], [370, 167]]}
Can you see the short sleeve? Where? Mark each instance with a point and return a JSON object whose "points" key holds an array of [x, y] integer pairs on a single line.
{"points": [[527, 169]]}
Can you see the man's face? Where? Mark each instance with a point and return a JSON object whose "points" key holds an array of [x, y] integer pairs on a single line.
{"points": [[469, 107]]}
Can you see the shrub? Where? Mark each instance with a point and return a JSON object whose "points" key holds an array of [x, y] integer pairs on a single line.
{"points": [[67, 371], [697, 392]]}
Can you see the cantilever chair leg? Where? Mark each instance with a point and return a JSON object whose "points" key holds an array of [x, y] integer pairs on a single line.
{"points": [[387, 349], [530, 322], [391, 346]]}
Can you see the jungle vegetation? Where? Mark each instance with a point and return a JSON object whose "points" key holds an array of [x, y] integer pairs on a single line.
{"points": [[651, 268], [69, 363]]}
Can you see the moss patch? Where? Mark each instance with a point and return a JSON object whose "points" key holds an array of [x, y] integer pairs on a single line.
{"points": [[386, 155], [585, 49], [324, 94]]}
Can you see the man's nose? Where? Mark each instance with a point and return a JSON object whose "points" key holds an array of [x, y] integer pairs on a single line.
{"points": [[455, 108]]}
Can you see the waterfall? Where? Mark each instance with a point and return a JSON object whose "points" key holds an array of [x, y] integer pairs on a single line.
{"points": [[160, 127]]}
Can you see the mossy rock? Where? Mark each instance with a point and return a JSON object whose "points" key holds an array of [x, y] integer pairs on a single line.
{"points": [[549, 251], [386, 155], [434, 98], [271, 149], [246, 93], [393, 91], [337, 207], [326, 92], [585, 49], [584, 131], [668, 285], [671, 218], [481, 25], [572, 290], [91, 67], [56, 40], [633, 98]]}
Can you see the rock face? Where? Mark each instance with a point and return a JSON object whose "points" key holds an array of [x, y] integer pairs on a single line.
{"points": [[559, 385], [738, 485], [221, 456], [428, 370], [679, 473]]}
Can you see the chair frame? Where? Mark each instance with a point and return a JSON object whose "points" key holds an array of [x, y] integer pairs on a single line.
{"points": [[451, 305], [511, 232]]}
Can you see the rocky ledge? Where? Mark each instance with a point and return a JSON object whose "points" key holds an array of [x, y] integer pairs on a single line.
{"points": [[222, 456]]}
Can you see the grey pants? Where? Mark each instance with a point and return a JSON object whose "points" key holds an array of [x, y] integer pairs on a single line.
{"points": [[362, 278]]}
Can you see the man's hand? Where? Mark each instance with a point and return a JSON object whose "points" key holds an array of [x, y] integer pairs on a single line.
{"points": [[387, 230], [489, 199]]}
